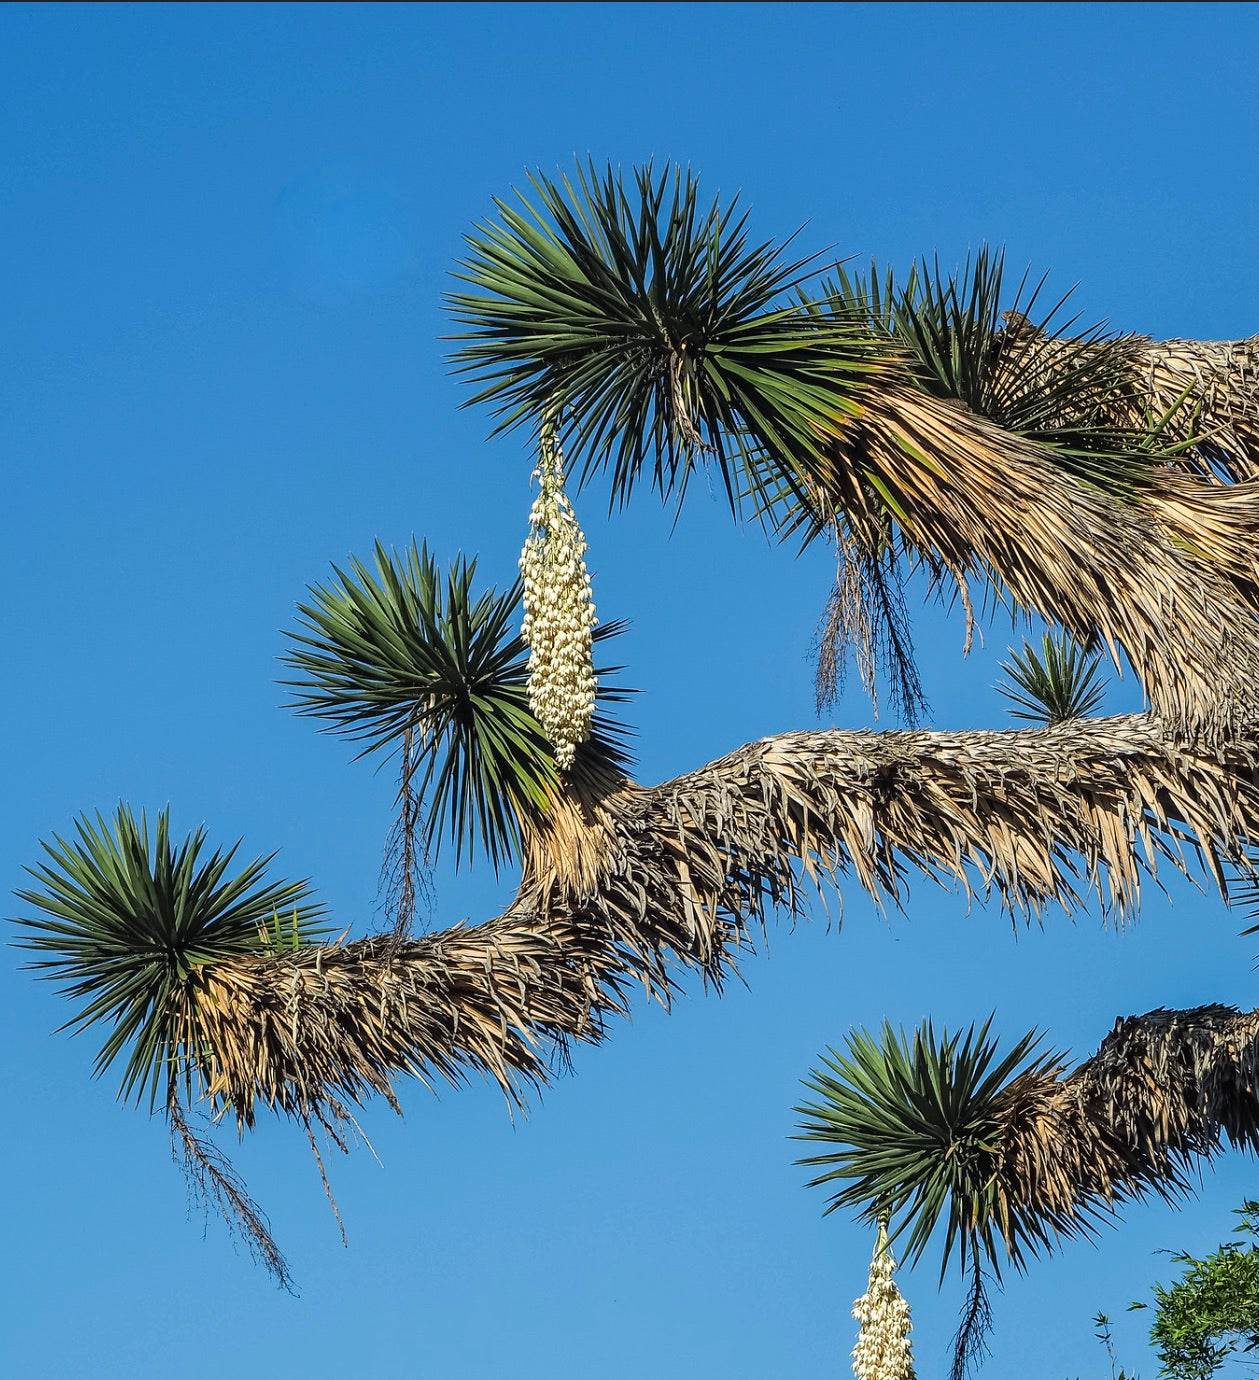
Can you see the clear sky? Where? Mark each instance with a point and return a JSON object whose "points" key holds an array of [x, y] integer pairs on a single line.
{"points": [[225, 233]]}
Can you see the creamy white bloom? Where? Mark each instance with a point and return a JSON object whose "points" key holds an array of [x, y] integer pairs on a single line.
{"points": [[883, 1350], [559, 619]]}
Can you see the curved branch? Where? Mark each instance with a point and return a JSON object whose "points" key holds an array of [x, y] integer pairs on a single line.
{"points": [[1163, 1089], [626, 887], [343, 1020]]}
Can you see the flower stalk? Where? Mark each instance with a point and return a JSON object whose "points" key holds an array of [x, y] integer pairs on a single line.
{"points": [[559, 619], [883, 1350]]}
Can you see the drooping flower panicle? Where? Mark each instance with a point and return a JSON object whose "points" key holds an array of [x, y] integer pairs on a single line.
{"points": [[559, 618], [883, 1350]]}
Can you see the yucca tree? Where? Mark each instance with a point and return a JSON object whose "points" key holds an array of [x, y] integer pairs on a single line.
{"points": [[626, 887], [999, 1158], [895, 419], [646, 333], [135, 926]]}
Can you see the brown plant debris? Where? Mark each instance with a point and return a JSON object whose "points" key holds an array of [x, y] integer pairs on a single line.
{"points": [[1219, 382], [1205, 392], [1170, 574]]}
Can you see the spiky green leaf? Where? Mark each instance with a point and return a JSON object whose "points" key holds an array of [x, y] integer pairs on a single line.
{"points": [[1062, 681], [128, 922], [1020, 360], [916, 1126], [668, 335], [400, 655]]}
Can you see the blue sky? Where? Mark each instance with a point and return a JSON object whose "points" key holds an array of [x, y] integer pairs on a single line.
{"points": [[225, 233]]}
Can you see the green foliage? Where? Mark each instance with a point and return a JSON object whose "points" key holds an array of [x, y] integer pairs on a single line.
{"points": [[669, 337], [1059, 682], [130, 922], [1012, 359], [665, 332], [916, 1122], [1211, 1309], [401, 650], [282, 935], [403, 660]]}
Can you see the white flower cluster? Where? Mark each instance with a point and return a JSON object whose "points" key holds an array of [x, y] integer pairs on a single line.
{"points": [[883, 1350], [559, 610]]}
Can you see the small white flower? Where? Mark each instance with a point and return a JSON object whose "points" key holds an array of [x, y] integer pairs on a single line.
{"points": [[883, 1350], [559, 617]]}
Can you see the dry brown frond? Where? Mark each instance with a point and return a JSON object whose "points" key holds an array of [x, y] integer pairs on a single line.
{"points": [[1213, 523], [344, 1020], [1168, 575], [866, 616], [212, 1181], [1219, 381], [1206, 390], [1164, 1089]]}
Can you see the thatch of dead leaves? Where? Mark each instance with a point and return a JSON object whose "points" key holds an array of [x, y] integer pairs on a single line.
{"points": [[1205, 390], [1219, 381], [1163, 1090], [624, 890], [1061, 529], [1170, 575]]}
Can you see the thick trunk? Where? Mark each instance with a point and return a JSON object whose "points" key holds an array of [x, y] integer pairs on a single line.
{"points": [[635, 884]]}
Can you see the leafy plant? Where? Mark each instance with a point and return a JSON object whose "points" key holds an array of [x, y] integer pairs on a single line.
{"points": [[1212, 1308], [404, 660], [1013, 359], [921, 424], [667, 334], [1058, 683], [131, 923], [915, 1121], [918, 1126], [1103, 1334]]}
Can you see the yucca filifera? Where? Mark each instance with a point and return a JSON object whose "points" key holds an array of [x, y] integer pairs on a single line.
{"points": [[678, 343], [134, 925], [404, 658], [559, 620], [1060, 682], [1001, 1158]]}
